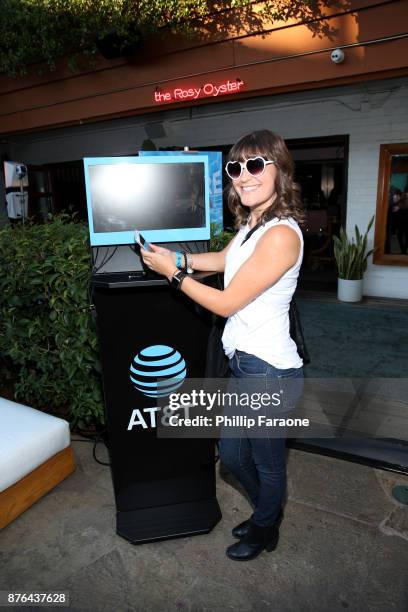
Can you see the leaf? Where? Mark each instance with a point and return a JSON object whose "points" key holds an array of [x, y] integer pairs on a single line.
{"points": [[15, 300]]}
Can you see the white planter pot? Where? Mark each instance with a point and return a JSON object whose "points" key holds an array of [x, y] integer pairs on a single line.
{"points": [[350, 290]]}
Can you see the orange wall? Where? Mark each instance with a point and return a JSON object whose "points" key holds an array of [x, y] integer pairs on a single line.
{"points": [[122, 87]]}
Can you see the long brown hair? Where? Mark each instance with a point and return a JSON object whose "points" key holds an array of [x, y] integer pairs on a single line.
{"points": [[271, 146]]}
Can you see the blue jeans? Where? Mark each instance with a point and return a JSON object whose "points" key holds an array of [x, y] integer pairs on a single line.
{"points": [[260, 463]]}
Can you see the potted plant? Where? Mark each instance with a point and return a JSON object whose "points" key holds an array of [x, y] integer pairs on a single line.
{"points": [[351, 258]]}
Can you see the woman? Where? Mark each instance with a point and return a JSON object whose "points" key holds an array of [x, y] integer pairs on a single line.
{"points": [[261, 266]]}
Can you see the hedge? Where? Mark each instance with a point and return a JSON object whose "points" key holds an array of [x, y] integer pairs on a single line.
{"points": [[48, 338]]}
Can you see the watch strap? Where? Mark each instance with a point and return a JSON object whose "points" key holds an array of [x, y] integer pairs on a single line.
{"points": [[177, 279]]}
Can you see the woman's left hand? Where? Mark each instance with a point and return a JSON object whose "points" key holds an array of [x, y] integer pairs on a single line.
{"points": [[159, 260]]}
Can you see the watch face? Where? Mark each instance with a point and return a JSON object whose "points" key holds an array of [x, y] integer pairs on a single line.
{"points": [[177, 278]]}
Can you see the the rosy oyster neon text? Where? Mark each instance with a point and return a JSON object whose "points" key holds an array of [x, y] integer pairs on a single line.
{"points": [[193, 93]]}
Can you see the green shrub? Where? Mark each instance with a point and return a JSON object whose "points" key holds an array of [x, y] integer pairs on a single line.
{"points": [[220, 238], [47, 334]]}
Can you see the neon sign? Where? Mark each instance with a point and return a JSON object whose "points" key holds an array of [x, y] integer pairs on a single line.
{"points": [[209, 90]]}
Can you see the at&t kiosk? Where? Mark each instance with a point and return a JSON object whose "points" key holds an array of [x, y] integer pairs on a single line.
{"points": [[151, 338]]}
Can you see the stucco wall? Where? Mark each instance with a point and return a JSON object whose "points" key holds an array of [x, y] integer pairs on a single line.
{"points": [[267, 57]]}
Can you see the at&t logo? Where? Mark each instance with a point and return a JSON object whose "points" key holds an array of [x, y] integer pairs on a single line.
{"points": [[158, 370]]}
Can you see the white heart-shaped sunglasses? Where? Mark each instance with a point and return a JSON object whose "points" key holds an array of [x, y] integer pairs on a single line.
{"points": [[255, 166]]}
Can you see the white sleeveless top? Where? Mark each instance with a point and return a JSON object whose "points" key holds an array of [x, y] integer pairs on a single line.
{"points": [[261, 328]]}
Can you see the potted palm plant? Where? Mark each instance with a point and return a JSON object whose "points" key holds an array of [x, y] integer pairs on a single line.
{"points": [[351, 258]]}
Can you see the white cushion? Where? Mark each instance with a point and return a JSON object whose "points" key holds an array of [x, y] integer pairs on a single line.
{"points": [[28, 437]]}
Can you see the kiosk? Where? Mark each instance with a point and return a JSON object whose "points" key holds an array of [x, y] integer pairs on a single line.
{"points": [[150, 333]]}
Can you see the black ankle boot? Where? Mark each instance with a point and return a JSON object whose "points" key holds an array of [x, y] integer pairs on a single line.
{"points": [[240, 530], [254, 542]]}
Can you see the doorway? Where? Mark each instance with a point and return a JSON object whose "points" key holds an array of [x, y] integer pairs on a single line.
{"points": [[321, 171]]}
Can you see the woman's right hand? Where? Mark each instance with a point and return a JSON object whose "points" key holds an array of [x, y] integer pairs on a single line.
{"points": [[159, 249]]}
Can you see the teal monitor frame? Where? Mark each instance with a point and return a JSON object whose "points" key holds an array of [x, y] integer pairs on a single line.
{"points": [[176, 234]]}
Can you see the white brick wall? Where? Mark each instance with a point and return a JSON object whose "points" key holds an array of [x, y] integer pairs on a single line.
{"points": [[371, 114]]}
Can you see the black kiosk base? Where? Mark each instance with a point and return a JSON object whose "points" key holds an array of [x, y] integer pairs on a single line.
{"points": [[164, 487]]}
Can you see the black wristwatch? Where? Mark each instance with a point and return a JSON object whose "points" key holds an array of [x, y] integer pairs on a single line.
{"points": [[177, 279]]}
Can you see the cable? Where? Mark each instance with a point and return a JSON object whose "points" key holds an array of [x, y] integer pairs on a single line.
{"points": [[107, 257], [94, 259], [132, 247], [94, 450], [186, 247], [104, 257], [95, 440], [105, 260]]}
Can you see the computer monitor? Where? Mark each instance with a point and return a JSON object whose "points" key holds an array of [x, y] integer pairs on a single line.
{"points": [[166, 198]]}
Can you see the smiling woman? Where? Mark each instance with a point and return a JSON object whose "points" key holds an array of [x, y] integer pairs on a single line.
{"points": [[271, 151], [261, 266]]}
